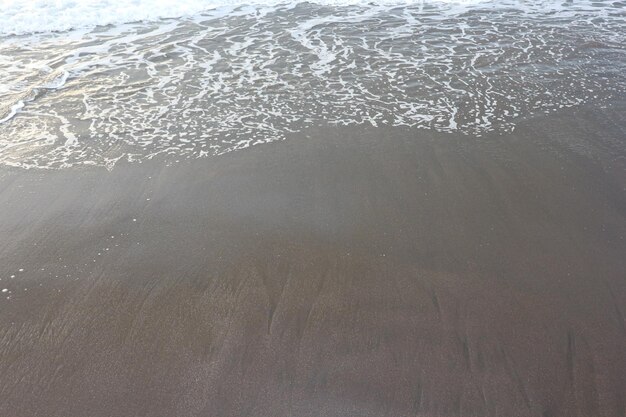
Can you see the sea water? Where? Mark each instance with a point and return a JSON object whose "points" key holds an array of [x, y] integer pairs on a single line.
{"points": [[93, 82]]}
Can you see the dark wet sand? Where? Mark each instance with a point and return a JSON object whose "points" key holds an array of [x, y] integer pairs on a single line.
{"points": [[344, 272]]}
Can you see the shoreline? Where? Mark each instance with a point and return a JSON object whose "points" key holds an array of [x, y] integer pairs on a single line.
{"points": [[344, 271]]}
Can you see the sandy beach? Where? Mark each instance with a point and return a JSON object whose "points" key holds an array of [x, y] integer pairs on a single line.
{"points": [[345, 271]]}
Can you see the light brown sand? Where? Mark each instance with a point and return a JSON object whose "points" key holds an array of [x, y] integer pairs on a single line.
{"points": [[343, 272]]}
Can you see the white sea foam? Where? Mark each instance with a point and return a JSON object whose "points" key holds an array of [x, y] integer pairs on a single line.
{"points": [[219, 81], [19, 17], [13, 111]]}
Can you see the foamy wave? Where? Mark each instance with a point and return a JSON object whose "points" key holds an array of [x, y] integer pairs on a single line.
{"points": [[21, 17], [222, 81]]}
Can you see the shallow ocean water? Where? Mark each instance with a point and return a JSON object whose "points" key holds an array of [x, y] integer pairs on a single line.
{"points": [[92, 83]]}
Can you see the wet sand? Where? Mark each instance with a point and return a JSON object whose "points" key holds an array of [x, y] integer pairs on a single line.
{"points": [[343, 272]]}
